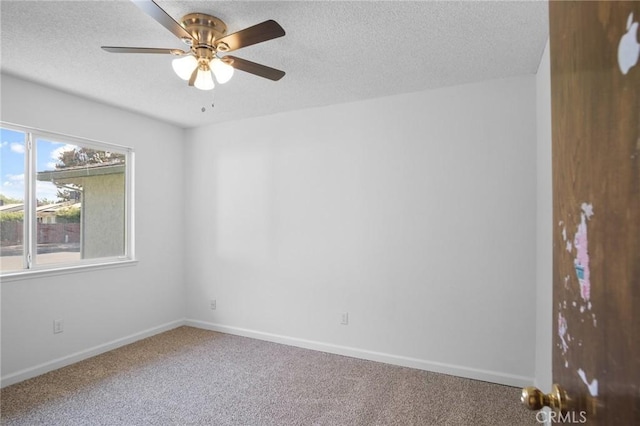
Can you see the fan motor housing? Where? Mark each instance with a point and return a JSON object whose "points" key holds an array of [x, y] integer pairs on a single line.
{"points": [[206, 29]]}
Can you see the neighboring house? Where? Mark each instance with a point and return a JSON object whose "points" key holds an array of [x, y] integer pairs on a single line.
{"points": [[11, 208], [102, 202], [48, 214], [50, 231]]}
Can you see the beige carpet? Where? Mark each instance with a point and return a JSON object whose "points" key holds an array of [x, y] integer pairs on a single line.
{"points": [[189, 376]]}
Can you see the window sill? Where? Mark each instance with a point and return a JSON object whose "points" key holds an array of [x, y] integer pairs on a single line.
{"points": [[63, 270]]}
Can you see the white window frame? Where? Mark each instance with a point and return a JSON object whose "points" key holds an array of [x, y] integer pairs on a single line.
{"points": [[31, 269]]}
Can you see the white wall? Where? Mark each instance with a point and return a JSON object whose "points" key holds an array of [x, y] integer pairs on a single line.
{"points": [[103, 308], [416, 214], [544, 225]]}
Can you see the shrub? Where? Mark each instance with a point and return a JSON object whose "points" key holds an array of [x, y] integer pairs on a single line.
{"points": [[68, 215], [11, 216]]}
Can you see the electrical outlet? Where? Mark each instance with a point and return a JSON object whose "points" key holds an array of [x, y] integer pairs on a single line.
{"points": [[58, 326], [213, 304], [345, 318]]}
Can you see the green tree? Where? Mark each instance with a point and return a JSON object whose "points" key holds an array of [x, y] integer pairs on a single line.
{"points": [[68, 215], [8, 200], [81, 156], [44, 202], [66, 194], [11, 216]]}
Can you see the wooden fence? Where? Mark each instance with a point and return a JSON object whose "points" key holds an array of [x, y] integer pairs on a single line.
{"points": [[11, 233]]}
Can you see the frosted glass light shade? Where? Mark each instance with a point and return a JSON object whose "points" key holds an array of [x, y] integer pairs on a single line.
{"points": [[204, 80], [184, 66], [221, 70]]}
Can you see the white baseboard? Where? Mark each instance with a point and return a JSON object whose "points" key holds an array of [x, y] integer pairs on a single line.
{"points": [[420, 364], [437, 367], [28, 373]]}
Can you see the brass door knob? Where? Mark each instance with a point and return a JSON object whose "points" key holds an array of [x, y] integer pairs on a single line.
{"points": [[534, 399]]}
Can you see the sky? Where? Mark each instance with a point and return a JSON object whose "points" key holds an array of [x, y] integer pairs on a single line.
{"points": [[12, 154]]}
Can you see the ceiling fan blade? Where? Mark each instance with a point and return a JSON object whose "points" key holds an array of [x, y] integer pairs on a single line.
{"points": [[267, 30], [114, 49], [194, 74], [156, 12], [253, 68]]}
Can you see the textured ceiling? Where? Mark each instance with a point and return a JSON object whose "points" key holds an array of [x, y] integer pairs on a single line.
{"points": [[333, 52]]}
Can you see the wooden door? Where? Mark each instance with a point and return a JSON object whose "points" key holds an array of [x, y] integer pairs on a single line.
{"points": [[595, 106]]}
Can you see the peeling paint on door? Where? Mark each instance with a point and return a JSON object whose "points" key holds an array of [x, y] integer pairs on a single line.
{"points": [[581, 262], [562, 331], [592, 386]]}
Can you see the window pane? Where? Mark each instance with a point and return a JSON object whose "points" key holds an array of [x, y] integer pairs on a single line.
{"points": [[80, 194], [12, 200]]}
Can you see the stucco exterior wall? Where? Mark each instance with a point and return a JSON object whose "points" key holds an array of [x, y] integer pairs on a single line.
{"points": [[103, 216]]}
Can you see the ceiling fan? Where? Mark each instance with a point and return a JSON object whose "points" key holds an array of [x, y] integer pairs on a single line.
{"points": [[206, 37]]}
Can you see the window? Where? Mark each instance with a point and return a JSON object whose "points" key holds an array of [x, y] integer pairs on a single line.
{"points": [[64, 201]]}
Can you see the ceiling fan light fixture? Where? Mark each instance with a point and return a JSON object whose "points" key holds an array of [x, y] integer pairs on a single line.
{"points": [[221, 70], [184, 67], [204, 80], [206, 36]]}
